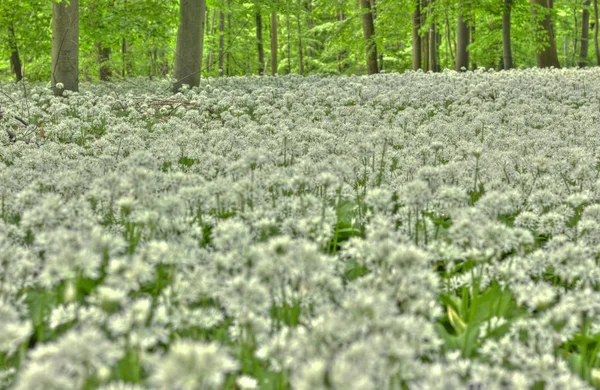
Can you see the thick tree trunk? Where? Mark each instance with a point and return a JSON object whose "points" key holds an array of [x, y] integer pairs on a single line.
{"points": [[221, 42], [190, 39], [15, 60], [463, 37], [369, 32], [259, 43], [585, 34], [548, 55], [273, 43], [507, 58], [416, 37], [65, 46]]}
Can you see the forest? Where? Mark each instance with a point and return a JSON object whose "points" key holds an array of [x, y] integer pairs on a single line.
{"points": [[130, 38], [299, 195]]}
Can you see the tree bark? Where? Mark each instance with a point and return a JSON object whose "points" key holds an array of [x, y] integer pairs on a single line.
{"points": [[585, 34], [596, 48], [15, 60], [433, 63], [273, 43], [259, 43], [369, 32], [548, 56], [221, 42], [228, 54], [416, 37], [300, 46], [507, 58], [190, 40], [463, 37], [340, 17], [65, 46], [103, 60]]}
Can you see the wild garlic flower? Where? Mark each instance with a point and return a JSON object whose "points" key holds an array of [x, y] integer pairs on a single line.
{"points": [[192, 365]]}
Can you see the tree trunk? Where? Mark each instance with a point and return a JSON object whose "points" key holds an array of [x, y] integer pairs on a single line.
{"points": [[340, 17], [65, 46], [221, 42], [433, 63], [585, 34], [15, 60], [103, 60], [300, 47], [309, 24], [416, 37], [596, 48], [228, 55], [506, 44], [259, 43], [548, 56], [273, 43], [190, 39], [463, 37], [369, 31], [289, 44]]}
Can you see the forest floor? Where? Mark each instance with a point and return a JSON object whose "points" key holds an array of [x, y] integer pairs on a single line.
{"points": [[413, 231]]}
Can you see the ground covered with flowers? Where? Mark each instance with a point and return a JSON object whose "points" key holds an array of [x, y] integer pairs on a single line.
{"points": [[414, 231]]}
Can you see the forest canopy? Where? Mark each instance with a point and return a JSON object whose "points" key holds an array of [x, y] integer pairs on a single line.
{"points": [[131, 38]]}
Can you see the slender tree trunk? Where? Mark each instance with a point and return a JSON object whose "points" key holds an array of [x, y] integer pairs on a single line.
{"points": [[433, 63], [463, 37], [309, 24], [228, 55], [65, 46], [15, 60], [548, 56], [289, 44], [259, 43], [473, 32], [596, 48], [103, 59], [211, 39], [300, 47], [190, 39], [340, 17], [506, 44], [273, 43], [585, 34], [369, 32], [416, 37], [221, 42], [449, 40]]}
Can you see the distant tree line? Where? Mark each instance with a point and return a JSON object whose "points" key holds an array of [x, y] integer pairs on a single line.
{"points": [[184, 39]]}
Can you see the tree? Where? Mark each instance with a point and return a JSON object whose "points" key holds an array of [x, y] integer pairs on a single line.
{"points": [[416, 36], [369, 32], [585, 33], [190, 40], [259, 43], [15, 59], [463, 37], [547, 56], [507, 59], [596, 46], [65, 46], [273, 43]]}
